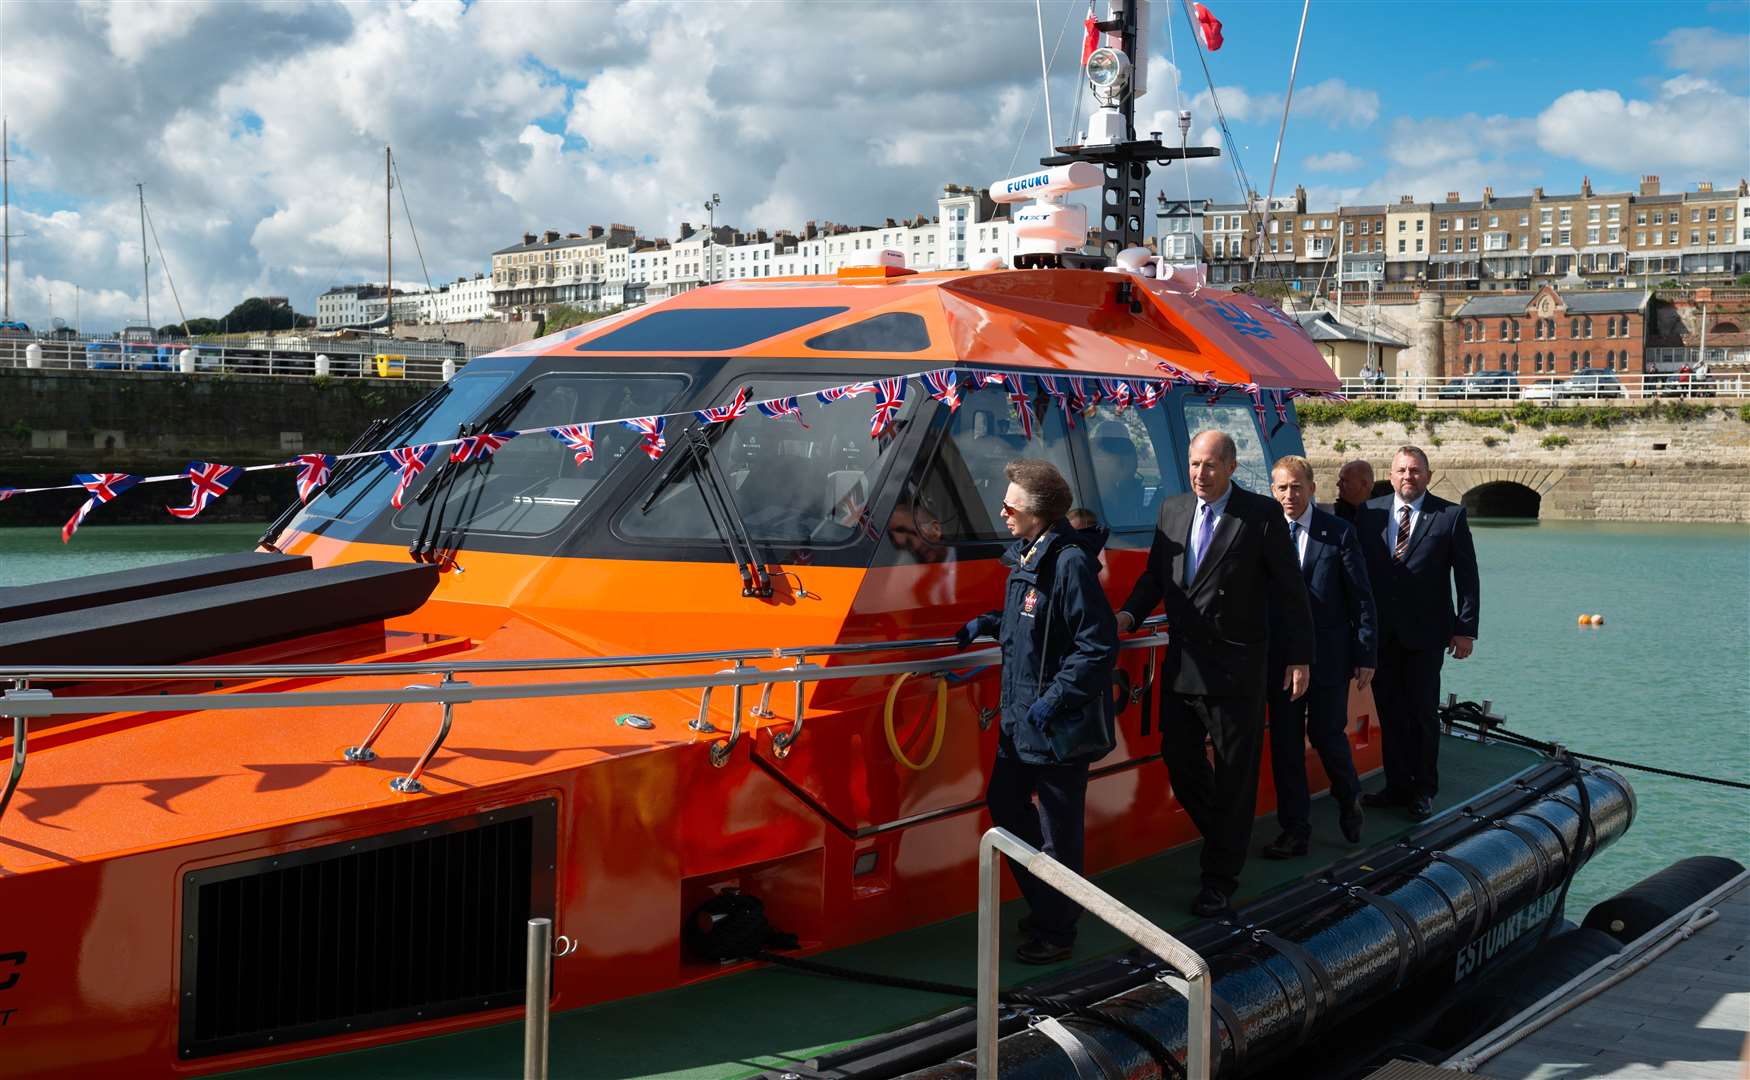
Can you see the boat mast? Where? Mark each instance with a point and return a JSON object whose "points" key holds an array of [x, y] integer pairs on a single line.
{"points": [[6, 204], [388, 240], [145, 259]]}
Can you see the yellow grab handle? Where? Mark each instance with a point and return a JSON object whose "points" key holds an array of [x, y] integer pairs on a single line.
{"points": [[941, 724]]}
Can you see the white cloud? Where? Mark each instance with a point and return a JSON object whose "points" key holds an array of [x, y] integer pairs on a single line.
{"points": [[1335, 161], [1702, 48], [1689, 124], [1332, 103]]}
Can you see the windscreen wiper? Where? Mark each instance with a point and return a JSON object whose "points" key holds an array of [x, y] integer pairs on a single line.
{"points": [[436, 493], [715, 491], [272, 535]]}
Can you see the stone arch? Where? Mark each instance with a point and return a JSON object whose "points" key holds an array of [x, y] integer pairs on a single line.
{"points": [[1726, 328], [1502, 499], [1501, 492]]}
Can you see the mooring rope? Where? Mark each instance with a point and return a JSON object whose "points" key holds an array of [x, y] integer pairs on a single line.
{"points": [[1469, 714]]}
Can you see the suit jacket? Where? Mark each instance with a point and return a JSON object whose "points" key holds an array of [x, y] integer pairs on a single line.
{"points": [[1220, 624], [1415, 597], [1345, 625]]}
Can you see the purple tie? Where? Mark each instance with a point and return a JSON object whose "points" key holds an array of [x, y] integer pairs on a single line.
{"points": [[1205, 527]]}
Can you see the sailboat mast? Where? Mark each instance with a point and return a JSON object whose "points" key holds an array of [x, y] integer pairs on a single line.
{"points": [[145, 259], [388, 240], [6, 202]]}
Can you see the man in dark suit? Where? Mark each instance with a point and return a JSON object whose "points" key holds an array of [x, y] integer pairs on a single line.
{"points": [[1343, 649], [1220, 558], [1419, 550], [1354, 488]]}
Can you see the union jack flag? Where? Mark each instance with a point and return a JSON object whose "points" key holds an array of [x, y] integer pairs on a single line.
{"points": [[209, 481], [889, 396], [778, 408], [313, 473], [650, 427], [103, 487], [7, 493], [722, 414], [1117, 391], [409, 461], [577, 437], [480, 447], [1146, 393], [991, 378], [944, 387], [1081, 394], [1023, 404], [839, 393], [1279, 399], [1054, 388]]}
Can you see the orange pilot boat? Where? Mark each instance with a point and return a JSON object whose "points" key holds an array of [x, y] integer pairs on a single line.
{"points": [[581, 680]]}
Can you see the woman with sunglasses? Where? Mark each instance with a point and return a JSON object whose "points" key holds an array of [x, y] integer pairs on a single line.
{"points": [[1060, 643]]}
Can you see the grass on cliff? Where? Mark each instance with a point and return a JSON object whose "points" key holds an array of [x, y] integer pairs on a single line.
{"points": [[1316, 413]]}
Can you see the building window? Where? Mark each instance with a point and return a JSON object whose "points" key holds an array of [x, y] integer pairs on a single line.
{"points": [[1443, 224], [1419, 239], [1573, 359], [1695, 215], [1400, 244], [1443, 243], [1503, 329], [1467, 331], [1537, 362], [1586, 358], [1420, 222], [1671, 238], [1592, 235]]}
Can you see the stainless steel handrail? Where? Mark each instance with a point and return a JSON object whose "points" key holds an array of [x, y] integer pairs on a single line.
{"points": [[178, 672], [999, 842]]}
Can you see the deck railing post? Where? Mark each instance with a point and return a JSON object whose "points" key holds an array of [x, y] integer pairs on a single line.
{"points": [[1097, 902], [537, 989], [20, 734]]}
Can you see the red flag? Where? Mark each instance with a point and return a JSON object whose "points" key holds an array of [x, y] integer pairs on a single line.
{"points": [[1208, 26], [1090, 34]]}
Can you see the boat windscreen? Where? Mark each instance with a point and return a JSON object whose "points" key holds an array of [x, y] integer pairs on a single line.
{"points": [[706, 329]]}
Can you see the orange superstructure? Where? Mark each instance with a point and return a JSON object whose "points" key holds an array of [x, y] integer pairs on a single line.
{"points": [[126, 822]]}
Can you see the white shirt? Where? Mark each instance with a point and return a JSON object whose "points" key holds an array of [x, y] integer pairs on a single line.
{"points": [[1305, 523], [1397, 510]]}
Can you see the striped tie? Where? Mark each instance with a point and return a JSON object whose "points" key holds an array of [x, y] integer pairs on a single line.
{"points": [[1402, 547]]}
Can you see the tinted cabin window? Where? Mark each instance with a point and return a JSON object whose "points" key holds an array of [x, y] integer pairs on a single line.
{"points": [[797, 486], [960, 498], [1129, 452], [532, 484], [706, 329], [896, 331], [1239, 421]]}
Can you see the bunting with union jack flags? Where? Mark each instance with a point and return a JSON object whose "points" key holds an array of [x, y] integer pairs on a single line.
{"points": [[889, 396], [7, 493], [839, 393], [578, 438], [409, 462], [480, 447], [653, 444], [1146, 393], [208, 481], [778, 408], [103, 487], [944, 386], [313, 473], [1023, 403], [1117, 391], [1054, 387], [723, 414]]}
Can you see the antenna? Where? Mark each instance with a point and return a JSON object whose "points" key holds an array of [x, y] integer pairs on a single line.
{"points": [[388, 240], [6, 202]]}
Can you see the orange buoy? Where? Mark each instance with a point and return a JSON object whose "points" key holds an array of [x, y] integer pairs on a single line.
{"points": [[1585, 620]]}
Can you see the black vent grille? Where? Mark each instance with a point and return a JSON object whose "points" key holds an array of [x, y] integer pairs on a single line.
{"points": [[428, 922]]}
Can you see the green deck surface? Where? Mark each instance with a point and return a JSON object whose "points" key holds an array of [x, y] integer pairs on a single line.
{"points": [[761, 1019]]}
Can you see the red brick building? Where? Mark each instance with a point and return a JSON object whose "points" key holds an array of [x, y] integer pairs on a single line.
{"points": [[1549, 332]]}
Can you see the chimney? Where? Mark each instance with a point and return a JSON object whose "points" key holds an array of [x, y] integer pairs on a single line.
{"points": [[1650, 184], [595, 232], [1585, 187], [1299, 199], [1704, 187], [1452, 196], [891, 224], [1488, 194], [686, 229], [810, 230], [1537, 193], [573, 236], [1406, 200], [528, 239], [549, 236]]}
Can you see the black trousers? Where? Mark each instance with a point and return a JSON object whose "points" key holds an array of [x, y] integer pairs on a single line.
{"points": [[1058, 825], [1406, 687], [1320, 717], [1220, 800]]}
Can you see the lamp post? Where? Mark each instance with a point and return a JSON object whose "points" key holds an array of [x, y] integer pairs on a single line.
{"points": [[711, 206]]}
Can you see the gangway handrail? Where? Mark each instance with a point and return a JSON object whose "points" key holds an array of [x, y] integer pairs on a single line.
{"points": [[1097, 902], [179, 672]]}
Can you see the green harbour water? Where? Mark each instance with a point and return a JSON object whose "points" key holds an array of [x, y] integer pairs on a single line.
{"points": [[1665, 681]]}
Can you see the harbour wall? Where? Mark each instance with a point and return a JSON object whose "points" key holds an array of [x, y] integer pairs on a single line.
{"points": [[1602, 463], [56, 423]]}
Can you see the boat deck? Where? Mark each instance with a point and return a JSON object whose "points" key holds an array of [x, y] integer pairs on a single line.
{"points": [[763, 1018], [1685, 1015]]}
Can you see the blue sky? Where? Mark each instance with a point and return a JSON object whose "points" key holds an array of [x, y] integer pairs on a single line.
{"points": [[258, 129]]}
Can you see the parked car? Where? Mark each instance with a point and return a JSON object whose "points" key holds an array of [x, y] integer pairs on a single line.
{"points": [[1585, 383], [1542, 390], [1498, 383]]}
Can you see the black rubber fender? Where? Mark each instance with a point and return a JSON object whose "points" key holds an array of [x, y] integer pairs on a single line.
{"points": [[1550, 965], [1649, 902]]}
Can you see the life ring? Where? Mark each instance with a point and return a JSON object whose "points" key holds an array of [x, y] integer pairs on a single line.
{"points": [[941, 724]]}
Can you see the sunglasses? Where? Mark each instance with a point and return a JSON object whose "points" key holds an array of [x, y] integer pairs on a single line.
{"points": [[1011, 511]]}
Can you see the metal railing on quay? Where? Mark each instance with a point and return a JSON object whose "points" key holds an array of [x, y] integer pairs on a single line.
{"points": [[392, 360], [1583, 385], [26, 701]]}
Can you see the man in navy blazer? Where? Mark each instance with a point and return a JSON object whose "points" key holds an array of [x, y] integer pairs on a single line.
{"points": [[1344, 647], [1419, 551]]}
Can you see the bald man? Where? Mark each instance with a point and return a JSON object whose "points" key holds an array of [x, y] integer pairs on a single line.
{"points": [[1354, 488]]}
